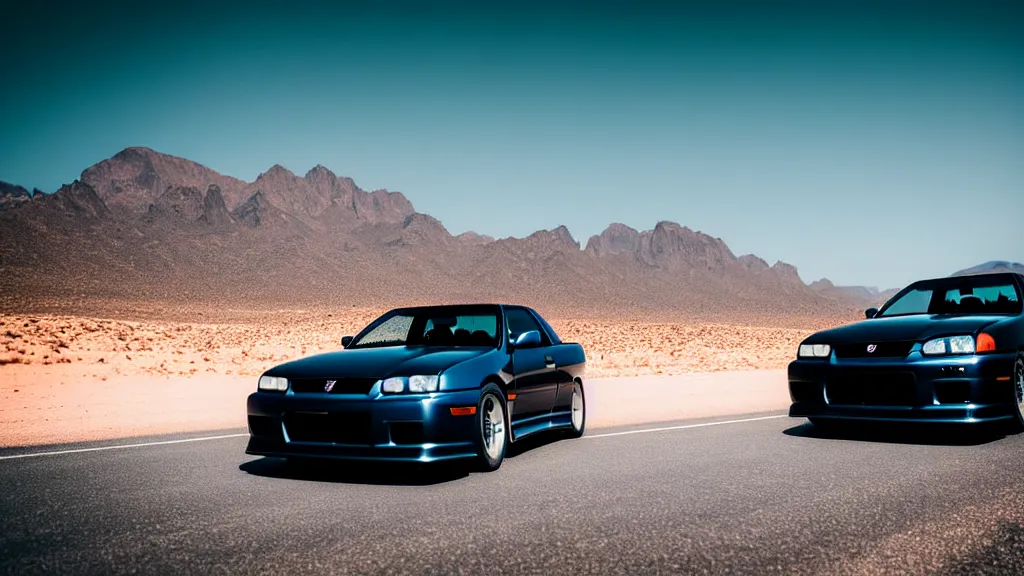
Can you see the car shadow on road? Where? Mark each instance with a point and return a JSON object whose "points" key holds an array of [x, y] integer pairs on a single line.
{"points": [[534, 442], [896, 433], [371, 473], [382, 473]]}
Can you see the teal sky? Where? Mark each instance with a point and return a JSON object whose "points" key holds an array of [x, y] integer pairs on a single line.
{"points": [[870, 143]]}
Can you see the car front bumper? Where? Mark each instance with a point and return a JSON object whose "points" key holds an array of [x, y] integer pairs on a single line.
{"points": [[404, 428], [970, 389]]}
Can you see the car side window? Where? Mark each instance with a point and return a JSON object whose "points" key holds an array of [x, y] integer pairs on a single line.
{"points": [[519, 320], [551, 331], [995, 299]]}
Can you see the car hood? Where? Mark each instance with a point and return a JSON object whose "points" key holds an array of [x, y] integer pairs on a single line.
{"points": [[377, 362], [918, 327]]}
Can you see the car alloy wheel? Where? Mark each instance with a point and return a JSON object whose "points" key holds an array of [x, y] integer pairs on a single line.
{"points": [[493, 426], [1018, 388], [578, 414], [492, 432]]}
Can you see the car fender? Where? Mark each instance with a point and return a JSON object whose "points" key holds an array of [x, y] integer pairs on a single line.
{"points": [[571, 358], [474, 372], [1008, 333]]}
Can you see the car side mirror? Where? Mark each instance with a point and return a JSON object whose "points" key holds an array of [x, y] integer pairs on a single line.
{"points": [[528, 339], [870, 312], [345, 341]]}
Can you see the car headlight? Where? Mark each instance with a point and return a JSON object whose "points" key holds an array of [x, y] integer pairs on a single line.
{"points": [[814, 351], [415, 384], [273, 384], [949, 345], [392, 385], [423, 383]]}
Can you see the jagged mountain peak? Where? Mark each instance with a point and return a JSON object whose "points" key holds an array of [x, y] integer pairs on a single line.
{"points": [[320, 172], [276, 171], [753, 262], [822, 284], [474, 238], [12, 195]]}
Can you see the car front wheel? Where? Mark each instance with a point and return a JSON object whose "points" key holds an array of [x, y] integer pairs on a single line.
{"points": [[491, 429], [1018, 391]]}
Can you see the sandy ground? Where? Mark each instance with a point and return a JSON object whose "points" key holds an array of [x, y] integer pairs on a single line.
{"points": [[58, 404], [70, 378], [159, 348], [641, 399]]}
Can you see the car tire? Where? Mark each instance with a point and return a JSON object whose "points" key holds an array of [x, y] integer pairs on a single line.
{"points": [[577, 411], [1018, 393], [491, 430]]}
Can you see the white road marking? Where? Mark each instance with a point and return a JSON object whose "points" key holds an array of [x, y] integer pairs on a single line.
{"points": [[685, 426], [183, 440], [116, 446]]}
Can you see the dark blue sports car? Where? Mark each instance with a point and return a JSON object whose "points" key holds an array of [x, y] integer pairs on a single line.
{"points": [[942, 350], [424, 384]]}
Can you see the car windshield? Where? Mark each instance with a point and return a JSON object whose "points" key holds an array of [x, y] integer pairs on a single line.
{"points": [[432, 326], [960, 295]]}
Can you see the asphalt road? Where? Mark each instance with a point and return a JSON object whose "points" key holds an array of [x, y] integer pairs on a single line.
{"points": [[753, 497]]}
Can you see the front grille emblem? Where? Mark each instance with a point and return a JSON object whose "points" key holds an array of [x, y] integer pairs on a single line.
{"points": [[330, 385], [872, 348]]}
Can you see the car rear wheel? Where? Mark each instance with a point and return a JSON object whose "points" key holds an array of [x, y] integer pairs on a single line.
{"points": [[578, 415], [492, 429], [1018, 391]]}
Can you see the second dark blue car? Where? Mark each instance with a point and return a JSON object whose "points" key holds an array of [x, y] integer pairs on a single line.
{"points": [[941, 350]]}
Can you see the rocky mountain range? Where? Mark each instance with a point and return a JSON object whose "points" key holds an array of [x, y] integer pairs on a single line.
{"points": [[147, 226], [869, 294], [11, 195]]}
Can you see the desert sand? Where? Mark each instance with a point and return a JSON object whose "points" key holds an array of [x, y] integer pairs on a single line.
{"points": [[72, 378]]}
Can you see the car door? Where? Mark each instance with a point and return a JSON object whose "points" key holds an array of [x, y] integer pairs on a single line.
{"points": [[535, 381], [564, 358]]}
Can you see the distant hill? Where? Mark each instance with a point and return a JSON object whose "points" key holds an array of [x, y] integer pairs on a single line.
{"points": [[991, 267], [867, 295], [146, 226]]}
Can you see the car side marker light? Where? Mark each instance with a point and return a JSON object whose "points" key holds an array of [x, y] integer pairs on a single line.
{"points": [[986, 343], [465, 411]]}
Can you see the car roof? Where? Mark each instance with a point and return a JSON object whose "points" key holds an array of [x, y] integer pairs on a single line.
{"points": [[460, 305], [463, 305], [506, 304]]}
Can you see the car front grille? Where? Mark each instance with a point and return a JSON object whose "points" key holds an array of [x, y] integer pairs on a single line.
{"points": [[871, 389], [881, 350], [340, 386], [329, 427]]}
